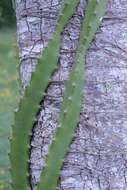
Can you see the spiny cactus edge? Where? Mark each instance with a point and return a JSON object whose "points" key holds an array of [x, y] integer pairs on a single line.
{"points": [[25, 117], [71, 107]]}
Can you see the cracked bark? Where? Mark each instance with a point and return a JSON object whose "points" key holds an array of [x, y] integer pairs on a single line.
{"points": [[97, 158]]}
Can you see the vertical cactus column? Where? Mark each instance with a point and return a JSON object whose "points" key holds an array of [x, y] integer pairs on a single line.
{"points": [[69, 115], [25, 117]]}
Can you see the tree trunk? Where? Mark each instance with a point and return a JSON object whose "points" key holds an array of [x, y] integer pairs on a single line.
{"points": [[97, 158]]}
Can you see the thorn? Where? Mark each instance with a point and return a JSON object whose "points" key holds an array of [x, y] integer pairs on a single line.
{"points": [[67, 149], [56, 33], [30, 133], [59, 126], [60, 14], [74, 135], [16, 110], [49, 79], [90, 25], [45, 165], [95, 13], [10, 183], [62, 160], [27, 174], [70, 98], [44, 94], [56, 67], [101, 19], [35, 119], [28, 146], [10, 138], [59, 55], [39, 106], [74, 84], [54, 139], [65, 111], [28, 161], [33, 145]]}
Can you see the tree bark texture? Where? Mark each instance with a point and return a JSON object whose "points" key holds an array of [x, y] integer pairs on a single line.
{"points": [[97, 156]]}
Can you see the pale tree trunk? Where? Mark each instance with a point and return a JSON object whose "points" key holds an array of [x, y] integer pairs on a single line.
{"points": [[97, 157]]}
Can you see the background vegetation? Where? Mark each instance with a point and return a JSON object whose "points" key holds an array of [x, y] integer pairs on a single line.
{"points": [[8, 85], [7, 15]]}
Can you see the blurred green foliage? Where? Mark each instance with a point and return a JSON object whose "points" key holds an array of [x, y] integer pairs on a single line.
{"points": [[8, 99], [8, 86], [7, 13]]}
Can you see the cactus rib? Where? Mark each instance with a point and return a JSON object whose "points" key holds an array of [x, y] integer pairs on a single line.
{"points": [[25, 117], [71, 107]]}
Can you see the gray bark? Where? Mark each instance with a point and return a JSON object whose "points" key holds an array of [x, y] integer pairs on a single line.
{"points": [[97, 157]]}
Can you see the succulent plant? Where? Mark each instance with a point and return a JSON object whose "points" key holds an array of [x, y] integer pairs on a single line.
{"points": [[25, 117]]}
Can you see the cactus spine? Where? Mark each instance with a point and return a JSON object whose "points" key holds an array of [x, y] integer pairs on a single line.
{"points": [[26, 115], [69, 115]]}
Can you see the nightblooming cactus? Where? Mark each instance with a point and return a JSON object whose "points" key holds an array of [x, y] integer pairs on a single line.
{"points": [[25, 117], [71, 107]]}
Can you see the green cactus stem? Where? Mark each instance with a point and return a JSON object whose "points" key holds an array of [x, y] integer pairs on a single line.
{"points": [[25, 117], [71, 107]]}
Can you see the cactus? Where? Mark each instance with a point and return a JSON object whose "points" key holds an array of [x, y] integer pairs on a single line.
{"points": [[25, 117], [70, 111]]}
